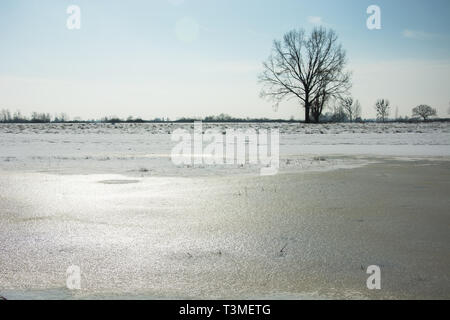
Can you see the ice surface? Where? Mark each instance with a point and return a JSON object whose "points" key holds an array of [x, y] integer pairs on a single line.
{"points": [[109, 199]]}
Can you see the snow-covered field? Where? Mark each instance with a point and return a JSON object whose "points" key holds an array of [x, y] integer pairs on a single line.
{"points": [[145, 149], [285, 128]]}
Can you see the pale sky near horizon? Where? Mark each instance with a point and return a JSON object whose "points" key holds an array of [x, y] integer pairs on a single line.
{"points": [[173, 58]]}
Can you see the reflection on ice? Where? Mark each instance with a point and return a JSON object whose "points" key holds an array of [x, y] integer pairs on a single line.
{"points": [[221, 237]]}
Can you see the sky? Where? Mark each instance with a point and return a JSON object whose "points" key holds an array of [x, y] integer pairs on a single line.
{"points": [[175, 58]]}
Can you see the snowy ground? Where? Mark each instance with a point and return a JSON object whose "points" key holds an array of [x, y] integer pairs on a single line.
{"points": [[145, 149], [285, 128]]}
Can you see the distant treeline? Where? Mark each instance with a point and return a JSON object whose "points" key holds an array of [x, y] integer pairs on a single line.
{"points": [[7, 117], [17, 117]]}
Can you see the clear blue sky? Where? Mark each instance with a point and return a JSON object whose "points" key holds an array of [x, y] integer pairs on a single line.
{"points": [[198, 57]]}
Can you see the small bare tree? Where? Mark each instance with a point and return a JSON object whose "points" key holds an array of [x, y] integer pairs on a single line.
{"points": [[310, 69], [352, 108], [382, 107], [424, 111], [338, 113], [5, 115]]}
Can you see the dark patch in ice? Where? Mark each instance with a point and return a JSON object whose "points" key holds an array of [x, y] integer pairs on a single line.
{"points": [[118, 181]]}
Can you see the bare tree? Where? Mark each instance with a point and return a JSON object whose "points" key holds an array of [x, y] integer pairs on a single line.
{"points": [[338, 113], [17, 117], [62, 117], [318, 104], [424, 111], [5, 115], [40, 117], [382, 107], [352, 108], [310, 69]]}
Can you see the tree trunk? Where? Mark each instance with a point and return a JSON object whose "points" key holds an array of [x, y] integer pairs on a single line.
{"points": [[307, 110]]}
